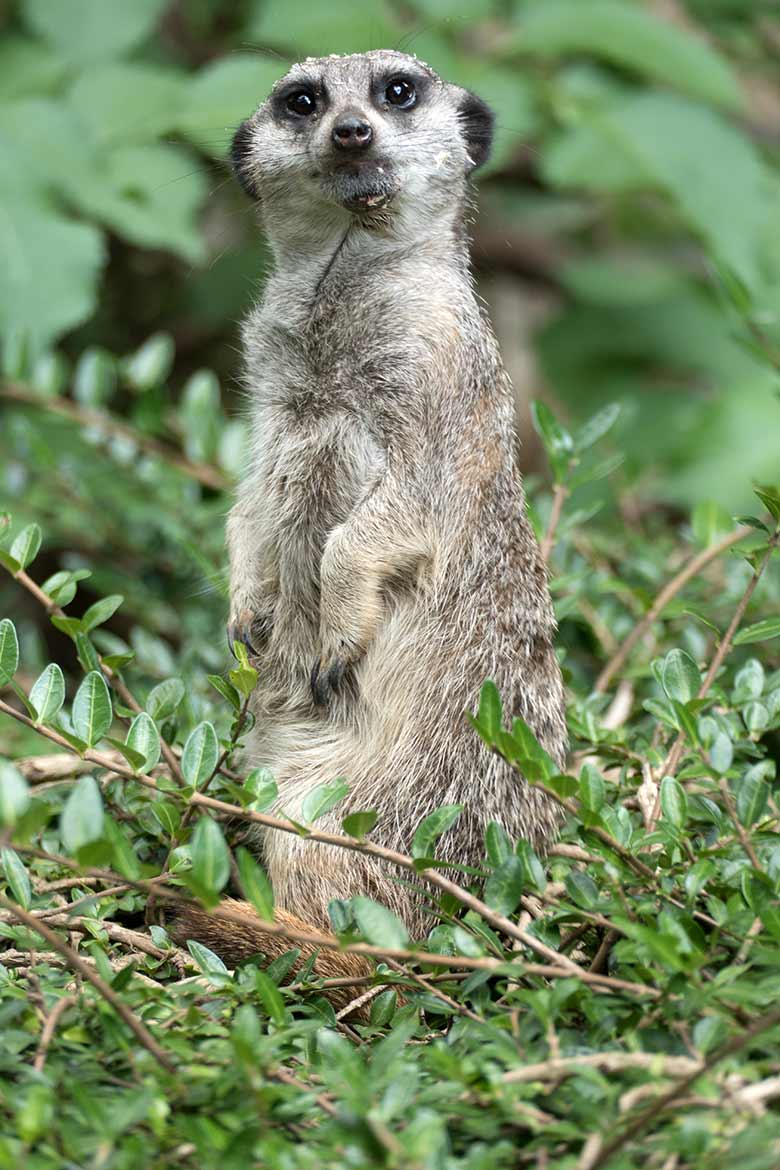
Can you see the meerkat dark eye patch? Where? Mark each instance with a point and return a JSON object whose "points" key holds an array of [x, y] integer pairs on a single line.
{"points": [[477, 120], [240, 157]]}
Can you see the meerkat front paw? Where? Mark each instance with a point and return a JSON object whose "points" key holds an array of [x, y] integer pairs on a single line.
{"points": [[250, 627], [329, 670]]}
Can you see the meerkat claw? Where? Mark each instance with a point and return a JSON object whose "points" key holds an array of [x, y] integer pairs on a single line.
{"points": [[238, 632], [325, 682]]}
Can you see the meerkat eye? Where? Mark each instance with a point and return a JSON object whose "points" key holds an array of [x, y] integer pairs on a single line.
{"points": [[401, 93], [302, 102]]}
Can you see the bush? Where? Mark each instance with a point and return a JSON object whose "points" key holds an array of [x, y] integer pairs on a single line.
{"points": [[612, 1005]]}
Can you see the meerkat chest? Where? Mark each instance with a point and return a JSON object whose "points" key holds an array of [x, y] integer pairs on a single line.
{"points": [[315, 468]]}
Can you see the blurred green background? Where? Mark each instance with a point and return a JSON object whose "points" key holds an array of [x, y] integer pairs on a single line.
{"points": [[627, 242]]}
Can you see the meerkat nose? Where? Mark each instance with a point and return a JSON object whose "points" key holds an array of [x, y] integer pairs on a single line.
{"points": [[352, 132]]}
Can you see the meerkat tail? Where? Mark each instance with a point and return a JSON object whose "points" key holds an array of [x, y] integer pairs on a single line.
{"points": [[239, 933]]}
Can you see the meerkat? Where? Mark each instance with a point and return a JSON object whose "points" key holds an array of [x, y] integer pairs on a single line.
{"points": [[382, 565]]}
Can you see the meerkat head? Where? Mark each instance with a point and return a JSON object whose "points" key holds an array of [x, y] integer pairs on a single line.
{"points": [[366, 132]]}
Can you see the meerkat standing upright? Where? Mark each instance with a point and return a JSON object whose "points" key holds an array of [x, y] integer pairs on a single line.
{"points": [[382, 566]]}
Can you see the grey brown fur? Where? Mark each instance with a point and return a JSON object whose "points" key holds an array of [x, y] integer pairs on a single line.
{"points": [[382, 564]]}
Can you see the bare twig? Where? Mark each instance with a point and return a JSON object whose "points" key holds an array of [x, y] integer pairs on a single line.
{"points": [[329, 941], [560, 492], [566, 1066], [426, 985], [669, 591], [77, 964], [84, 416], [49, 1028]]}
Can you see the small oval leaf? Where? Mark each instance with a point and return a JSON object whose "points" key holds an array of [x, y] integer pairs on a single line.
{"points": [[47, 693], [9, 651], [81, 821], [200, 755], [91, 715], [210, 857]]}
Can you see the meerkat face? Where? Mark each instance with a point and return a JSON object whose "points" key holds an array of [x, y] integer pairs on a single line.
{"points": [[363, 132]]}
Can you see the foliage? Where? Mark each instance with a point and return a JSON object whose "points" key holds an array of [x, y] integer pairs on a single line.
{"points": [[611, 1005]]}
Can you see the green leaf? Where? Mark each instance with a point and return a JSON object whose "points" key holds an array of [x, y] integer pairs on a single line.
{"points": [[633, 39], [597, 426], [378, 925], [144, 738], [680, 676], [770, 498], [200, 755], [358, 824], [710, 522], [489, 718], [255, 884], [17, 877], [94, 381], [752, 798], [721, 753], [9, 651], [262, 786], [14, 794], [101, 611], [505, 886], [92, 715], [759, 632], [164, 699], [661, 142], [582, 889], [30, 235], [592, 790], [47, 693], [210, 856], [24, 548], [321, 29], [557, 441], [431, 828], [272, 998], [208, 962], [70, 626], [226, 689], [81, 821], [533, 869], [674, 801], [130, 102], [86, 32], [498, 843], [322, 799], [222, 94], [50, 375], [151, 364], [749, 681]]}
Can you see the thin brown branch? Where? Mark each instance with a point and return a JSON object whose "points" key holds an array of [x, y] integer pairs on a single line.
{"points": [[567, 1066], [498, 921], [426, 985], [329, 941], [84, 416], [560, 492], [77, 964], [747, 844], [50, 1027], [667, 594]]}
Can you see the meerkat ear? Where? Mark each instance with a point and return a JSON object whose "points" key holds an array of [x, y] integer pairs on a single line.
{"points": [[240, 152], [477, 119]]}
